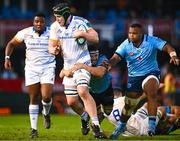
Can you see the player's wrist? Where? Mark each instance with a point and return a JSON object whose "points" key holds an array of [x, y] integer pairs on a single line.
{"points": [[172, 54], [7, 57]]}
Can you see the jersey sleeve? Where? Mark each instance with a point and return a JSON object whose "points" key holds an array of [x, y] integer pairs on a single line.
{"points": [[87, 24], [20, 35], [121, 49], [158, 43]]}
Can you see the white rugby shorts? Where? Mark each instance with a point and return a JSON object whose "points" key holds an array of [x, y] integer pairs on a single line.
{"points": [[42, 75]]}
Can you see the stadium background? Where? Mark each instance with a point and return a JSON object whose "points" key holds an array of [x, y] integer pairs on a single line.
{"points": [[110, 18]]}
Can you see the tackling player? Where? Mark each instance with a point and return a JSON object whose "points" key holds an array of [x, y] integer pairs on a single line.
{"points": [[140, 52], [39, 68]]}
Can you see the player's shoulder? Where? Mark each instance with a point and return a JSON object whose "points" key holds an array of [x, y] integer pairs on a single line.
{"points": [[27, 30], [54, 25], [125, 43], [79, 19]]}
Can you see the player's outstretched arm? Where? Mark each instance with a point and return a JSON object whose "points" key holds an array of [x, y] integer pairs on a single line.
{"points": [[172, 53], [114, 60], [8, 51]]}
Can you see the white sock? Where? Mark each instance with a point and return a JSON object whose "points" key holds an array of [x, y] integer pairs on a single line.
{"points": [[46, 107], [33, 113], [95, 121]]}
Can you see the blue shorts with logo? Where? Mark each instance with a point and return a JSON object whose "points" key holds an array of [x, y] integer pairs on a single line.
{"points": [[134, 84]]}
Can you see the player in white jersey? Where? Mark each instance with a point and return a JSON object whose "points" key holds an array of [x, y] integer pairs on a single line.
{"points": [[69, 35], [39, 68]]}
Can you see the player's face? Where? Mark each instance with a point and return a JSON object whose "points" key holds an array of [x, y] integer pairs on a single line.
{"points": [[135, 34], [94, 57], [60, 20], [39, 24]]}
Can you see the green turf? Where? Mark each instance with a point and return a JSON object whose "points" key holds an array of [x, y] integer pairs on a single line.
{"points": [[17, 127]]}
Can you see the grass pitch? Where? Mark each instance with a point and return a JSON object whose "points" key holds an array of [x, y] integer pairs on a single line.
{"points": [[17, 127]]}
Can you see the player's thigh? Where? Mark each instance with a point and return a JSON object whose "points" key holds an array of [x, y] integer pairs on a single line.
{"points": [[81, 77], [150, 84], [47, 75]]}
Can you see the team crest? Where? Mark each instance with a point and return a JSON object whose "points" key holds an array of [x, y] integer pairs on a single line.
{"points": [[131, 53]]}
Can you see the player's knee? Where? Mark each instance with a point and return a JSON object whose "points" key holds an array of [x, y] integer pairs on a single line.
{"points": [[71, 102], [82, 91], [46, 99]]}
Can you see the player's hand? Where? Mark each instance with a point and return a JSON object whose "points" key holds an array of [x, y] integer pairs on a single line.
{"points": [[78, 33], [54, 50], [174, 60], [77, 66], [106, 65], [7, 64]]}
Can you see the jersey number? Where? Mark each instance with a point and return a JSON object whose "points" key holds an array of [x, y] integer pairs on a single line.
{"points": [[116, 114]]}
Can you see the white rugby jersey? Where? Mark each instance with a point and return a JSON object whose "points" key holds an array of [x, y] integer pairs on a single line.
{"points": [[115, 115], [138, 123], [37, 54], [72, 52]]}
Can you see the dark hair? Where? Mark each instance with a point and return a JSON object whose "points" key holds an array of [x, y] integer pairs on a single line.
{"points": [[138, 25], [40, 14], [93, 47]]}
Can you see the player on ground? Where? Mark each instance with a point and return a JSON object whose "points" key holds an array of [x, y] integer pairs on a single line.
{"points": [[64, 38], [39, 68], [140, 52], [167, 119]]}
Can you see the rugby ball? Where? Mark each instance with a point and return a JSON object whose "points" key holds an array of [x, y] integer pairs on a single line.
{"points": [[81, 40]]}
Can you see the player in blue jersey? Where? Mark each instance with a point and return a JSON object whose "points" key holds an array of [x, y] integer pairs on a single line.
{"points": [[39, 68], [140, 51]]}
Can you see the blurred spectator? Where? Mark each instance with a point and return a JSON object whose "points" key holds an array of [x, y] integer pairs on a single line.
{"points": [[170, 83], [9, 74]]}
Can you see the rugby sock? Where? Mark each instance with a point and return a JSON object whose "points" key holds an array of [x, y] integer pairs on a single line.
{"points": [[95, 121], [85, 116], [33, 113], [46, 107], [152, 123]]}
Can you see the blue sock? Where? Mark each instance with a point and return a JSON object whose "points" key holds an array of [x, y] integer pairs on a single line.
{"points": [[85, 116], [152, 123]]}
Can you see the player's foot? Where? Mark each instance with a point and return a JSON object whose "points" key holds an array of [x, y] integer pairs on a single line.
{"points": [[47, 121], [101, 117], [34, 133], [85, 125], [151, 133], [98, 134], [118, 131]]}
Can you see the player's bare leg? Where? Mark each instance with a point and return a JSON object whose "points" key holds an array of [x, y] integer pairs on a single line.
{"points": [[151, 88], [46, 90], [90, 107], [77, 106]]}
